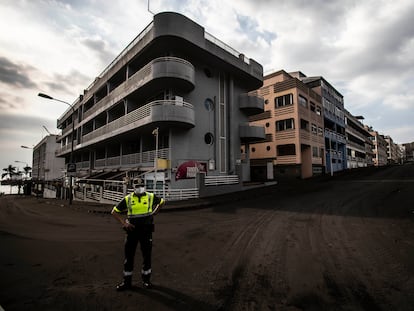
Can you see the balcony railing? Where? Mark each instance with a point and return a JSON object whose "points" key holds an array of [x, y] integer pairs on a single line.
{"points": [[251, 104], [146, 157], [162, 67]]}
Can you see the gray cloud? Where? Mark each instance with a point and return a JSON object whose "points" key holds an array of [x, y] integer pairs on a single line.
{"points": [[24, 123], [66, 82], [15, 74], [8, 102], [100, 47]]}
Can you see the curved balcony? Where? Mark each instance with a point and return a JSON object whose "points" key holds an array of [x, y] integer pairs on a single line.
{"points": [[252, 134], [251, 104], [174, 112], [176, 69], [173, 71]]}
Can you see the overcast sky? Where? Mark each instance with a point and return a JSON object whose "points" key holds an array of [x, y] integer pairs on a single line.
{"points": [[364, 48]]}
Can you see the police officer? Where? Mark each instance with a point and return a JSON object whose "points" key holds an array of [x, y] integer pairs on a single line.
{"points": [[140, 207]]}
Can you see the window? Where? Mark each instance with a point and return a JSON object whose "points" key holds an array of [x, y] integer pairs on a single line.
{"points": [[268, 148], [284, 100], [318, 110], [284, 125], [222, 123], [315, 152], [209, 139], [304, 125], [207, 72], [320, 131], [266, 101], [312, 106], [284, 150], [209, 104], [303, 101], [267, 124], [314, 129]]}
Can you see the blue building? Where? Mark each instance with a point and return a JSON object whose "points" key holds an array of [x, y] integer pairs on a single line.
{"points": [[334, 121]]}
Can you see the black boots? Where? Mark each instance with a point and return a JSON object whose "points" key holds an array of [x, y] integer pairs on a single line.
{"points": [[146, 284], [125, 285]]}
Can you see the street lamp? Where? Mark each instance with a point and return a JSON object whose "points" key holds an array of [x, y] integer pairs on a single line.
{"points": [[38, 167], [38, 161], [71, 168], [155, 133]]}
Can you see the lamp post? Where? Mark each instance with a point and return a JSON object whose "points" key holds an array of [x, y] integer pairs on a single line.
{"points": [[155, 132], [71, 168], [38, 166]]}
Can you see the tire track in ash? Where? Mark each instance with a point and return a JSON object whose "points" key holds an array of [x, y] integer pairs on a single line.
{"points": [[343, 269], [230, 275]]}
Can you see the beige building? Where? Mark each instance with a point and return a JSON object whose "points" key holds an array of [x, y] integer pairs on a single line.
{"points": [[293, 121], [394, 154], [379, 148]]}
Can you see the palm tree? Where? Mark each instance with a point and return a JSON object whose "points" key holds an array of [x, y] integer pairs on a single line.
{"points": [[10, 170]]}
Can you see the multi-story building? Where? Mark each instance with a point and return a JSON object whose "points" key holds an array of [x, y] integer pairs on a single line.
{"points": [[379, 148], [46, 167], [409, 152], [175, 93], [393, 151], [334, 121], [358, 143], [293, 120]]}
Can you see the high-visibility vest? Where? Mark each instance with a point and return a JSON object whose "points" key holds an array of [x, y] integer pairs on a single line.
{"points": [[139, 206]]}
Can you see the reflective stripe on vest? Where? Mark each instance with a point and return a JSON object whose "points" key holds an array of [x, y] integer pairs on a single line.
{"points": [[139, 207]]}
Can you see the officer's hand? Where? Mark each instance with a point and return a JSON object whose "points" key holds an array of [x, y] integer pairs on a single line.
{"points": [[128, 226], [156, 210]]}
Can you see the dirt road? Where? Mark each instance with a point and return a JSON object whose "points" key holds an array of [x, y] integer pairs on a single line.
{"points": [[341, 243]]}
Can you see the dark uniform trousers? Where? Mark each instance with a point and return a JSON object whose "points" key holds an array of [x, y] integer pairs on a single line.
{"points": [[141, 234]]}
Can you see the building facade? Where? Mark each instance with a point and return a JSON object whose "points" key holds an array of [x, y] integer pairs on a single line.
{"points": [[46, 167], [334, 121], [408, 154], [394, 154], [379, 148], [358, 143], [176, 98], [293, 120]]}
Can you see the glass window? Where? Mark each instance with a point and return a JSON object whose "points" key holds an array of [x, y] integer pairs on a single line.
{"points": [[284, 150], [284, 100], [209, 139], [312, 106], [283, 125], [303, 101], [314, 129], [304, 125], [209, 104]]}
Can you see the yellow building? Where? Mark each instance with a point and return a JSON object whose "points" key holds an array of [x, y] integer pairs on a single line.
{"points": [[293, 120]]}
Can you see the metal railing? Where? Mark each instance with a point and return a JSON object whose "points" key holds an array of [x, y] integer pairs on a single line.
{"points": [[226, 47], [221, 180]]}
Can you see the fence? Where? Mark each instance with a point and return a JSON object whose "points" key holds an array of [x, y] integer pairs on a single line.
{"points": [[221, 180]]}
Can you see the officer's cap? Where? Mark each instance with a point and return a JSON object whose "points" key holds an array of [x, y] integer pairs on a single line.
{"points": [[138, 182]]}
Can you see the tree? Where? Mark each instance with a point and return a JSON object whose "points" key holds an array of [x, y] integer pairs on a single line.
{"points": [[10, 171], [27, 170]]}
